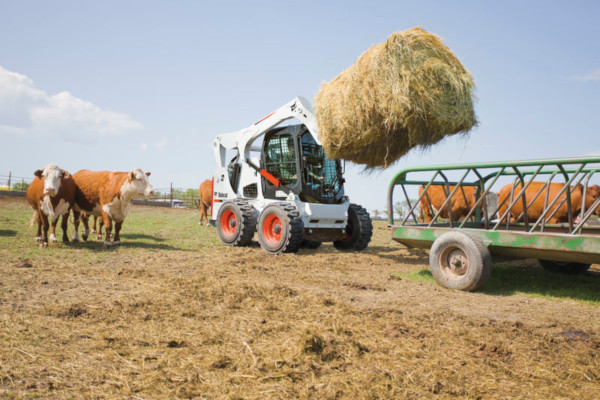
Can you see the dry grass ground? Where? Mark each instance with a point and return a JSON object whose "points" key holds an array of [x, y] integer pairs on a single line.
{"points": [[173, 314]]}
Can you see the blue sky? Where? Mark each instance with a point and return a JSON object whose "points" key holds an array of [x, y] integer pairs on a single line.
{"points": [[122, 84]]}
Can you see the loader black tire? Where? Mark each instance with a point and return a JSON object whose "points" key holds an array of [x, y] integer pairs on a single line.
{"points": [[460, 260], [280, 229], [236, 223], [358, 230], [572, 268]]}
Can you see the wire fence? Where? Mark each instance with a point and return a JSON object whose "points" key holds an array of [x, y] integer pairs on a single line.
{"points": [[11, 182], [163, 197]]}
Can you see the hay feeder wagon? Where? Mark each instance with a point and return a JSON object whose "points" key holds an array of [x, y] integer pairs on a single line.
{"points": [[519, 226]]}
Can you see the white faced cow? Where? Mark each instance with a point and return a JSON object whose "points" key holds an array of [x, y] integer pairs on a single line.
{"points": [[108, 194], [51, 194]]}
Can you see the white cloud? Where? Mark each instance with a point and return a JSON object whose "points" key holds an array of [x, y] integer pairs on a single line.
{"points": [[26, 109], [144, 146], [161, 144], [591, 77]]}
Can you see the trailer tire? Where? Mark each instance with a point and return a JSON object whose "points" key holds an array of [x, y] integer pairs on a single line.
{"points": [[358, 231], [236, 223], [460, 260], [280, 229], [564, 267]]}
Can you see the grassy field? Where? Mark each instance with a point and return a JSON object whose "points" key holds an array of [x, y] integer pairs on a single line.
{"points": [[174, 314]]}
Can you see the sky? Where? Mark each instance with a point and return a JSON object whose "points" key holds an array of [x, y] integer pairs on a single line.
{"points": [[116, 85]]}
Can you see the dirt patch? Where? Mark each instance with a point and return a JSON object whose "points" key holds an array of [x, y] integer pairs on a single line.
{"points": [[189, 318]]}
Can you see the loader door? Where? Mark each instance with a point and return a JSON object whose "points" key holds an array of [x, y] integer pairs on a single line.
{"points": [[280, 159]]}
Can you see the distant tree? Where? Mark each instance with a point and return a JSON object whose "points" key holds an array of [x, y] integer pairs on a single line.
{"points": [[376, 213], [21, 186]]}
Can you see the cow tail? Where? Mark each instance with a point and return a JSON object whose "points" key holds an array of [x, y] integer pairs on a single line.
{"points": [[33, 218]]}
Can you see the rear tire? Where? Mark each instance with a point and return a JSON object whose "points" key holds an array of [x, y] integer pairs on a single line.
{"points": [[460, 260], [236, 223], [564, 267], [358, 230], [280, 229]]}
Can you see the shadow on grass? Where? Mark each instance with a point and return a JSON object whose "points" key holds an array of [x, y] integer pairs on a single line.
{"points": [[507, 280], [141, 236], [7, 233], [98, 246]]}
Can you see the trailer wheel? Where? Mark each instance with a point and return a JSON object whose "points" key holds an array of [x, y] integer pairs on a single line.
{"points": [[460, 260], [358, 231], [236, 223], [280, 229], [564, 267], [310, 244]]}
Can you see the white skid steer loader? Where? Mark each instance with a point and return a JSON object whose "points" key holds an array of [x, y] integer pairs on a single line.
{"points": [[280, 184]]}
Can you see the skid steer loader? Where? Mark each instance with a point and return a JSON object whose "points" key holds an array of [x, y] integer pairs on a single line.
{"points": [[276, 180]]}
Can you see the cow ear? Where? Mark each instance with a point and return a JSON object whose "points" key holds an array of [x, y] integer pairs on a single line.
{"points": [[38, 173], [131, 175], [147, 173]]}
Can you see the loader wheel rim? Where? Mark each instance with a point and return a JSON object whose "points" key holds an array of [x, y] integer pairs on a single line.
{"points": [[228, 223], [272, 229]]}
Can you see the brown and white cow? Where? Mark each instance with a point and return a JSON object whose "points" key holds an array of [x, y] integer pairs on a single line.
{"points": [[51, 194], [205, 200], [436, 196], [536, 209], [108, 194]]}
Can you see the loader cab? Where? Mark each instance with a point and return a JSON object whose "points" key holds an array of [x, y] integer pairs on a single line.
{"points": [[294, 158]]}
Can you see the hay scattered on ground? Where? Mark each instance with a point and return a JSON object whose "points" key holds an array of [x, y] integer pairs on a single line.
{"points": [[409, 91]]}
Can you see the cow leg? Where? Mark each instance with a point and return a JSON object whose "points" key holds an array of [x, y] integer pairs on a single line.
{"points": [[117, 239], [94, 226], [53, 230], [76, 216], [203, 213], [85, 218], [38, 218], [64, 225], [45, 227], [100, 225], [108, 228]]}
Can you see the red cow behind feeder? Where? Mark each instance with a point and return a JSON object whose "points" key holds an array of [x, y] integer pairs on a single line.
{"points": [[536, 209], [436, 196]]}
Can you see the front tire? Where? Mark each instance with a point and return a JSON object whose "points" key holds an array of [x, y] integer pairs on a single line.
{"points": [[460, 260], [358, 231], [564, 267], [236, 223], [280, 229]]}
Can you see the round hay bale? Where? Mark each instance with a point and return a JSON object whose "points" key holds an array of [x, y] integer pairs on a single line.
{"points": [[409, 91]]}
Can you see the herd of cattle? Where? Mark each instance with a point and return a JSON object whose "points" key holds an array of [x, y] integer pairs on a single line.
{"points": [[539, 196], [54, 192]]}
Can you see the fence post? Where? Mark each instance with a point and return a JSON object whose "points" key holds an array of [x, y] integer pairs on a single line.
{"points": [[22, 184], [171, 196], [9, 176]]}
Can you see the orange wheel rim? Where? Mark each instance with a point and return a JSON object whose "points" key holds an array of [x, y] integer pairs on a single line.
{"points": [[228, 223], [272, 229]]}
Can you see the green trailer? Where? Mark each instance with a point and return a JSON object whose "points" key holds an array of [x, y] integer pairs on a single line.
{"points": [[468, 213]]}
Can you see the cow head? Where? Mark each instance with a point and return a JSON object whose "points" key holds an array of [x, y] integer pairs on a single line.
{"points": [[490, 205], [138, 183], [52, 177], [593, 193]]}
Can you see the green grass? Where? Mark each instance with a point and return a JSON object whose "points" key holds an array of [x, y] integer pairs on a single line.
{"points": [[146, 229], [536, 282]]}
